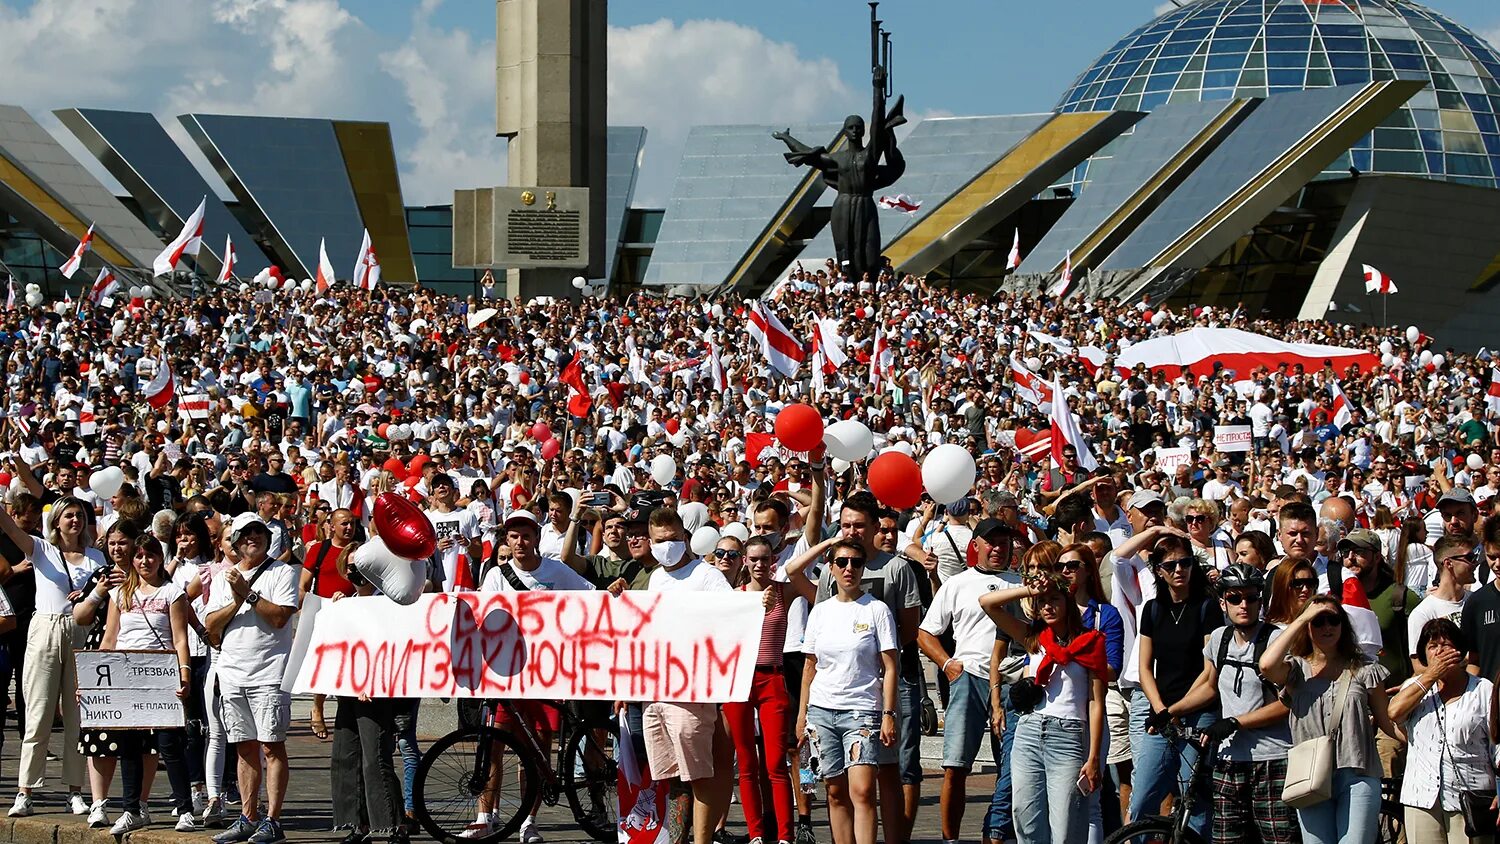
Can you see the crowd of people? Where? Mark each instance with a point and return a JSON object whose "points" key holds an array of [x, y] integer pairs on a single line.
{"points": [[1326, 592]]}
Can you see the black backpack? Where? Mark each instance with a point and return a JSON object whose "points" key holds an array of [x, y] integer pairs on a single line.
{"points": [[1262, 639]]}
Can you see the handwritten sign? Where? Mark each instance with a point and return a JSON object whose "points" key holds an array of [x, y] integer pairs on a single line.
{"points": [[694, 647], [1168, 459], [760, 447], [1230, 438], [129, 689]]}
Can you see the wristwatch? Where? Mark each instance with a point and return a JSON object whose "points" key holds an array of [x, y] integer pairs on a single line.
{"points": [[253, 598], [890, 712]]}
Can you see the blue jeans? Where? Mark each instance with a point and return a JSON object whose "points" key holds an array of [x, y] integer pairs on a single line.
{"points": [[966, 722], [843, 738], [406, 742], [1349, 816], [1045, 763], [998, 821], [1160, 766], [907, 753]]}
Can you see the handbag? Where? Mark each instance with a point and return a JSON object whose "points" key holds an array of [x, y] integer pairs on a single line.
{"points": [[1479, 818], [1309, 764]]}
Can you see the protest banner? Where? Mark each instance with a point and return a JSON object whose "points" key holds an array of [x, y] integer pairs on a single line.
{"points": [[694, 647], [129, 689], [759, 447], [1231, 438], [1168, 459]]}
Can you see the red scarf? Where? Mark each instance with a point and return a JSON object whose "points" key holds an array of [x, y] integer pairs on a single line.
{"points": [[1087, 649]]}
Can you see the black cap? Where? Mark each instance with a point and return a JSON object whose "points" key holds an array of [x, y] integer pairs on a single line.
{"points": [[637, 515], [989, 526]]}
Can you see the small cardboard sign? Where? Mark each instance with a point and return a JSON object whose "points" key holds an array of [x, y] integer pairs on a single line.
{"points": [[129, 689]]}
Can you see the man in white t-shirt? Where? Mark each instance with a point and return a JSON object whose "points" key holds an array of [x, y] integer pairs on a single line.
{"points": [[248, 614], [1453, 559], [458, 545]]}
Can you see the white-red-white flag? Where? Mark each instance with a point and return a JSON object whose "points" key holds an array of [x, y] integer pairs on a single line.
{"points": [[1361, 617], [187, 242], [325, 269], [1492, 395], [75, 260], [366, 266], [1060, 289], [88, 423], [1015, 252], [880, 355], [718, 377], [10, 294], [104, 285], [1377, 281], [160, 390], [226, 271], [828, 343], [1029, 385], [1065, 430], [900, 202], [783, 351], [1341, 406]]}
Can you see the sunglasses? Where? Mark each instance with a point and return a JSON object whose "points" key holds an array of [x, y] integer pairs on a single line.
{"points": [[1069, 566], [1196, 517], [1308, 583], [729, 554], [1236, 599], [1325, 621], [848, 562], [1179, 564]]}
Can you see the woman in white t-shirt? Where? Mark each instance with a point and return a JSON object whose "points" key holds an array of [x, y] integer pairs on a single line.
{"points": [[849, 693], [148, 612], [1060, 735]]}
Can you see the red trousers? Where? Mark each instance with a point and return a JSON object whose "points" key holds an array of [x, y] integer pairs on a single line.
{"points": [[763, 769]]}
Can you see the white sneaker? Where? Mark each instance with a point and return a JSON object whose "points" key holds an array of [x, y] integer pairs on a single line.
{"points": [[186, 822], [23, 806], [529, 833], [97, 817], [200, 803], [77, 805], [128, 822], [478, 830]]}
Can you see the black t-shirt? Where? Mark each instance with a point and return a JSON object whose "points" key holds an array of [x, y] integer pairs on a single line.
{"points": [[1481, 627], [279, 482], [1177, 632]]}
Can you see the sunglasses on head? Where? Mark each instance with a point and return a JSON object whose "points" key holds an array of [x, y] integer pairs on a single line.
{"points": [[1181, 563], [848, 562], [1236, 598]]}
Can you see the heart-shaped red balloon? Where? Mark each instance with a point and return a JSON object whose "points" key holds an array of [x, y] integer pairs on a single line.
{"points": [[1036, 445], [404, 527]]}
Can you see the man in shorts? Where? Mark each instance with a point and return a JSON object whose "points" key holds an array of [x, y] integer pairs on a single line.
{"points": [[248, 617]]}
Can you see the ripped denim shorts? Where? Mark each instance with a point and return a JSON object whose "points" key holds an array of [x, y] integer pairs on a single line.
{"points": [[842, 739]]}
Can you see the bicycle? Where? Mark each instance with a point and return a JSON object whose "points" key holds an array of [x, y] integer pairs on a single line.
{"points": [[1173, 829], [1391, 827], [510, 773]]}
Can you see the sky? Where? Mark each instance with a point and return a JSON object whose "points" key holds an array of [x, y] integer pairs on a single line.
{"points": [[427, 66]]}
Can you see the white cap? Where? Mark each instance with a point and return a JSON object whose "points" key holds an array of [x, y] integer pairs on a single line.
{"points": [[242, 521], [520, 516]]}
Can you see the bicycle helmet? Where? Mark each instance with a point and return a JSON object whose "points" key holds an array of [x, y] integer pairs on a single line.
{"points": [[1242, 576]]}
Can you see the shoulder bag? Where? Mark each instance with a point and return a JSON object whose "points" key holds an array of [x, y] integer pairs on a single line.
{"points": [[1309, 764], [1473, 803]]}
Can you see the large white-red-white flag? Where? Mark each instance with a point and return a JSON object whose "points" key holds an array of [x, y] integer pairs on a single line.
{"points": [[160, 390], [366, 266], [1014, 260], [1065, 430], [1377, 281], [719, 378], [75, 260], [880, 358], [783, 351], [1060, 288], [104, 285], [226, 271], [325, 268], [1341, 406], [1029, 385], [828, 343], [187, 242], [1491, 396]]}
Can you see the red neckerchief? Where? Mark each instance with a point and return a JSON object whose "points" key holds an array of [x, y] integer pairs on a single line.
{"points": [[1087, 649]]}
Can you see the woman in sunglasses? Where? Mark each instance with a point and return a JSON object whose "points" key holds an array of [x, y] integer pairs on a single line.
{"points": [[1318, 661], [1174, 626], [1292, 586], [849, 692], [1209, 543]]}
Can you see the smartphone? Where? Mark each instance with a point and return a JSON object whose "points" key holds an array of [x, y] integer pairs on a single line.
{"points": [[1083, 786], [597, 499]]}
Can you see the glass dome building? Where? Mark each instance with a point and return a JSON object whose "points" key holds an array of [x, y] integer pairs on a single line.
{"points": [[1223, 49]]}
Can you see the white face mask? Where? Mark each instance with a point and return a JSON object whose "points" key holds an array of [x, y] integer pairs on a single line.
{"points": [[669, 552]]}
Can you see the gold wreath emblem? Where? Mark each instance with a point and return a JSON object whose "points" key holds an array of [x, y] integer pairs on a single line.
{"points": [[528, 198]]}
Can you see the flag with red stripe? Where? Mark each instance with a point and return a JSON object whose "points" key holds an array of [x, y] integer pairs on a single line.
{"points": [[579, 401], [1492, 395], [159, 391], [1014, 259], [88, 423], [104, 285], [325, 268], [226, 271], [1065, 430], [1377, 281], [1341, 406], [187, 242], [1060, 289], [783, 351], [366, 266], [75, 260], [1029, 385]]}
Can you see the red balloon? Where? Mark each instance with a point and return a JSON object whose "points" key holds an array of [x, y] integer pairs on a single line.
{"points": [[525, 377], [672, 426], [404, 527], [799, 427], [383, 429], [896, 480], [416, 464], [550, 448], [540, 432], [394, 465], [5, 479]]}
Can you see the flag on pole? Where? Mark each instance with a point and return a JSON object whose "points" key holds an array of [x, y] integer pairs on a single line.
{"points": [[900, 202], [1361, 617], [325, 268], [367, 265], [1341, 406], [1065, 430], [1492, 395], [104, 285], [75, 260], [187, 242], [160, 389], [579, 402], [880, 356], [88, 423], [1060, 289], [1029, 385], [10, 294], [827, 343], [226, 272], [1377, 281], [783, 351], [1015, 252]]}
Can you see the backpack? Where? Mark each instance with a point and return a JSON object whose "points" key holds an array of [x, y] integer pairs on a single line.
{"points": [[1268, 691]]}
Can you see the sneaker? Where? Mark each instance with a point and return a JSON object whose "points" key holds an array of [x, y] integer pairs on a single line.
{"points": [[239, 831], [23, 806], [269, 832], [128, 822], [186, 822], [200, 803], [232, 796], [530, 834], [77, 805], [98, 819], [805, 834], [478, 829], [213, 814], [145, 813]]}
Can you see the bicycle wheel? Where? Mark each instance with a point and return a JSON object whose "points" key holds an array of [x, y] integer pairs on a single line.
{"points": [[465, 767], [589, 778], [1152, 830]]}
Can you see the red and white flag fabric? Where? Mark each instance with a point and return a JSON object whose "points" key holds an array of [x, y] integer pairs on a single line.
{"points": [[10, 294], [1029, 385], [1361, 617], [1341, 406], [900, 202], [828, 343], [1014, 260], [75, 260], [1492, 395], [783, 351], [226, 271], [366, 266], [643, 812], [104, 285], [325, 277], [88, 423], [716, 373], [1377, 281], [187, 242], [160, 390], [194, 406], [1065, 430], [579, 402], [1060, 289], [880, 358]]}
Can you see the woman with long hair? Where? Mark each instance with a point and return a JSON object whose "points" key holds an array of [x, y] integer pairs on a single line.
{"points": [[63, 562], [149, 612], [98, 745], [1255, 548], [1292, 586], [1056, 760], [195, 553], [1318, 662], [1173, 628], [1413, 558]]}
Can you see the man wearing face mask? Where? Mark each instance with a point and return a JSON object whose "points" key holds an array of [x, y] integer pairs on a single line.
{"points": [[688, 740]]}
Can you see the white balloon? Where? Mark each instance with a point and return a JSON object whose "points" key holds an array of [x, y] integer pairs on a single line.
{"points": [[306, 284], [147, 291], [903, 447], [1438, 360], [1412, 334], [705, 540], [1385, 347], [396, 577], [33, 299], [107, 481], [678, 439], [580, 282], [948, 472], [1475, 462], [694, 515], [848, 440], [406, 431], [33, 287], [663, 469], [62, 308], [1425, 358], [1033, 363], [1387, 360], [736, 530], [840, 465]]}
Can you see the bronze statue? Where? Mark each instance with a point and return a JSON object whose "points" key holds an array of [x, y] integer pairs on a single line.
{"points": [[855, 170]]}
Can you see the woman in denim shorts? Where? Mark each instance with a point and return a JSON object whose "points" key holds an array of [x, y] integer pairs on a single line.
{"points": [[849, 694]]}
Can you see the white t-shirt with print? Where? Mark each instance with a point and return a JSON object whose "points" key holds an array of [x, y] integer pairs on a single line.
{"points": [[461, 526], [956, 607], [146, 625], [550, 576], [848, 638]]}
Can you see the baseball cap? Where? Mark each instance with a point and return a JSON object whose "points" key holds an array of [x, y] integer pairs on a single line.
{"points": [[1456, 495], [1145, 497], [1363, 539], [989, 526], [244, 521], [522, 517], [638, 515]]}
